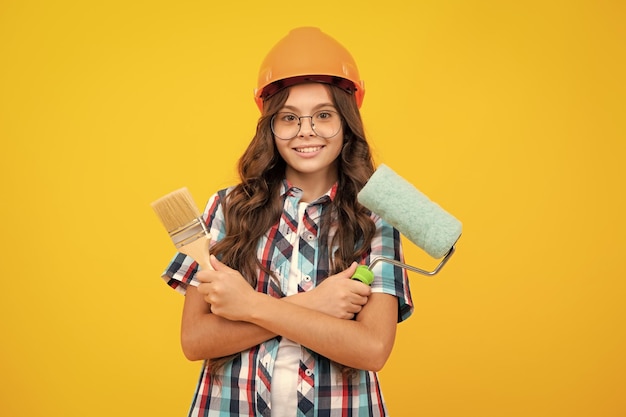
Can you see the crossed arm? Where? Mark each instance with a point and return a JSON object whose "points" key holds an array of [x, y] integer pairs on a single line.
{"points": [[225, 315]]}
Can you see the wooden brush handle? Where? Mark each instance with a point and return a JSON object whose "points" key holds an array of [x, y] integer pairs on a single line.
{"points": [[199, 251]]}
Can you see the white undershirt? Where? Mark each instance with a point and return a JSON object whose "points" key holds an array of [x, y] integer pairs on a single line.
{"points": [[284, 391]]}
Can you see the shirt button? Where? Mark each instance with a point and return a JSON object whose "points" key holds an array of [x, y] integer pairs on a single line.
{"points": [[308, 372], [309, 237], [307, 278]]}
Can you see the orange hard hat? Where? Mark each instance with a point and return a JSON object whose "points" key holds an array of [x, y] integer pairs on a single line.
{"points": [[307, 54]]}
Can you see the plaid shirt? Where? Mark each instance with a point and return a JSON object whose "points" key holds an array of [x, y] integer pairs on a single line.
{"points": [[244, 383]]}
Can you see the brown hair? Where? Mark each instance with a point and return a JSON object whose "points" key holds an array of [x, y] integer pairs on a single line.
{"points": [[254, 206]]}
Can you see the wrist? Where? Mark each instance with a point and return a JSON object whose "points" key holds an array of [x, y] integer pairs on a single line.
{"points": [[300, 298], [255, 305]]}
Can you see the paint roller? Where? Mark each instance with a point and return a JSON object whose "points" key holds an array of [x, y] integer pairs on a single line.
{"points": [[413, 214]]}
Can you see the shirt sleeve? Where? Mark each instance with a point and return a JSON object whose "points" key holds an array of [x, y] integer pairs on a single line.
{"points": [[181, 271], [388, 278]]}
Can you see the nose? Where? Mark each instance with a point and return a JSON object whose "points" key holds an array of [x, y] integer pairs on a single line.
{"points": [[306, 129]]}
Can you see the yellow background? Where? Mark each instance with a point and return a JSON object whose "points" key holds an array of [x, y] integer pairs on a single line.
{"points": [[508, 114]]}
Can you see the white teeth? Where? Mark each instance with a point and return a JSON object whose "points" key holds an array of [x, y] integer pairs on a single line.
{"points": [[309, 149]]}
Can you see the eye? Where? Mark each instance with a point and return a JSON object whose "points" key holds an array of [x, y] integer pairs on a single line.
{"points": [[288, 118], [324, 115]]}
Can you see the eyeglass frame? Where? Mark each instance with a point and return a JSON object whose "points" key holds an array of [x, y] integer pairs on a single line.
{"points": [[311, 122]]}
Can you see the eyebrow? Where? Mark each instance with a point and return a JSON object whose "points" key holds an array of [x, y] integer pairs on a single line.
{"points": [[315, 108]]}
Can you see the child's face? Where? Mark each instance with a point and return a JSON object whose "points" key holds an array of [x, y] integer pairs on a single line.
{"points": [[308, 153]]}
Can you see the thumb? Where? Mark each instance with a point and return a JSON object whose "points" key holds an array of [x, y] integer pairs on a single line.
{"points": [[350, 270], [219, 266]]}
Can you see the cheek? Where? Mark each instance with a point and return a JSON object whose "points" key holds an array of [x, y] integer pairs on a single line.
{"points": [[337, 146], [281, 148], [336, 149]]}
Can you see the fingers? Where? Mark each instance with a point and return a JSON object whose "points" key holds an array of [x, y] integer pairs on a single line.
{"points": [[218, 285], [203, 289], [357, 301], [354, 308], [203, 276]]}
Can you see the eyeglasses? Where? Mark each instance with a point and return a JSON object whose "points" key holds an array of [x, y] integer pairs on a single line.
{"points": [[324, 123]]}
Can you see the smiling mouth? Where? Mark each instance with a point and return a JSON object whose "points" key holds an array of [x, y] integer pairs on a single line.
{"points": [[308, 149]]}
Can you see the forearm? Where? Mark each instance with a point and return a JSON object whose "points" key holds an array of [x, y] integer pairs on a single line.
{"points": [[364, 343], [211, 336], [205, 335]]}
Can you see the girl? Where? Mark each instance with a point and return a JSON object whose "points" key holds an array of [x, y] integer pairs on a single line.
{"points": [[282, 328]]}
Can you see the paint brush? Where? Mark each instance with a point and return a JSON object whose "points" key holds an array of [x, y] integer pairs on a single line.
{"points": [[184, 223]]}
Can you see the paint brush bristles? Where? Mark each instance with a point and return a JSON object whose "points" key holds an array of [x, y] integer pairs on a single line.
{"points": [[182, 220], [176, 209]]}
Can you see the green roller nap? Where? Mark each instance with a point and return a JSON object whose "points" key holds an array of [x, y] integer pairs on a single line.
{"points": [[419, 219]]}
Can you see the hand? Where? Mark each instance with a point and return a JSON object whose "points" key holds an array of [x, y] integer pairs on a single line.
{"points": [[339, 295], [226, 290]]}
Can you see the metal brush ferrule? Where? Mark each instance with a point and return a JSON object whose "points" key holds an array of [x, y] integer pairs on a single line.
{"points": [[189, 233], [412, 268]]}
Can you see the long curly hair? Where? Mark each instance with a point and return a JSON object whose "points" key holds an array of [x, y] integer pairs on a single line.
{"points": [[254, 205]]}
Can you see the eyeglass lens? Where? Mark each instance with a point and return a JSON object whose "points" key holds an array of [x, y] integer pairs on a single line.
{"points": [[325, 124]]}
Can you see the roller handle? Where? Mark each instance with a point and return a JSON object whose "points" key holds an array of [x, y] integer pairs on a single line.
{"points": [[363, 274]]}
